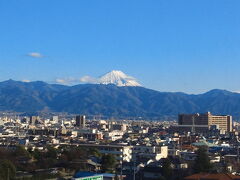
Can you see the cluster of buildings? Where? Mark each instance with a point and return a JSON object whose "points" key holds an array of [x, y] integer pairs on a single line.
{"points": [[203, 122], [140, 147]]}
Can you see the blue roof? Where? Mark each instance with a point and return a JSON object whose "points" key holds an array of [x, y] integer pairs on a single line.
{"points": [[84, 174], [107, 175], [87, 174]]}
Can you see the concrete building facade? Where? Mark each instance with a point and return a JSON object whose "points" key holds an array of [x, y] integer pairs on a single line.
{"points": [[81, 121], [223, 122]]}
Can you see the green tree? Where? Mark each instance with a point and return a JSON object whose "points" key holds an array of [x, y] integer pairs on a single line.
{"points": [[7, 170], [108, 163], [20, 151], [74, 153], [30, 149], [94, 152], [51, 152], [167, 170], [162, 178], [37, 154], [202, 161]]}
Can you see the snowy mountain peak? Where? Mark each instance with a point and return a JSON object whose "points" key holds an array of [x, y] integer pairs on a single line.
{"points": [[118, 78]]}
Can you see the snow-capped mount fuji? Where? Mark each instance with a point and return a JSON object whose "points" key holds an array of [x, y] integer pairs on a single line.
{"points": [[118, 78]]}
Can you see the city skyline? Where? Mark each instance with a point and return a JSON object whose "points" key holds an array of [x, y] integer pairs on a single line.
{"points": [[175, 46]]}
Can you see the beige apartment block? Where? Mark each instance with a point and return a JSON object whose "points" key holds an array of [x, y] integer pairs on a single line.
{"points": [[223, 122]]}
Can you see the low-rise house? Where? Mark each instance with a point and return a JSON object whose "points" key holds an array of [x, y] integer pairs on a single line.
{"points": [[151, 152]]}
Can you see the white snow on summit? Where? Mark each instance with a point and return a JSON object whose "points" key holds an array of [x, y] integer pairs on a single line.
{"points": [[118, 78]]}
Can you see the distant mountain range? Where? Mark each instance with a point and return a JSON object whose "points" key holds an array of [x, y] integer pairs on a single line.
{"points": [[111, 100]]}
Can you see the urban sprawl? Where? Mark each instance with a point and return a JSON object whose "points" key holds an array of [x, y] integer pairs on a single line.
{"points": [[194, 146]]}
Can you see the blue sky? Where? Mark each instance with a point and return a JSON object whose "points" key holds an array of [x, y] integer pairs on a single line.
{"points": [[168, 45]]}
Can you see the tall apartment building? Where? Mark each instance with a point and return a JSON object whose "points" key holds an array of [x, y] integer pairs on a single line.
{"points": [[33, 120], [81, 121], [223, 122], [54, 119]]}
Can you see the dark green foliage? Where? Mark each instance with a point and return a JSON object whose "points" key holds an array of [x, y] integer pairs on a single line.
{"points": [[7, 170], [162, 178], [167, 170], [20, 151], [108, 163], [202, 162], [51, 152], [70, 158], [110, 100], [94, 152], [75, 153], [42, 176], [75, 158], [37, 154]]}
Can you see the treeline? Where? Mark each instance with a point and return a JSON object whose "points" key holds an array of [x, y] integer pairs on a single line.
{"points": [[68, 160]]}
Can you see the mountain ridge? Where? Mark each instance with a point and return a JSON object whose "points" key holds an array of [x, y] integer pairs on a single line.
{"points": [[112, 101]]}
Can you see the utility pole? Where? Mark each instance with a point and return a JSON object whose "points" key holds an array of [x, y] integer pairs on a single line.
{"points": [[238, 153], [238, 141], [122, 166], [134, 163], [193, 124]]}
